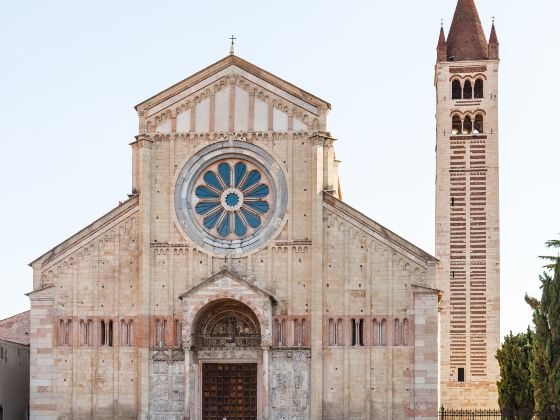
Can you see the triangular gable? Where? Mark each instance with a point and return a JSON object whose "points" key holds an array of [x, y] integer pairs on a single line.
{"points": [[97, 228], [369, 226], [228, 61], [214, 282], [189, 101]]}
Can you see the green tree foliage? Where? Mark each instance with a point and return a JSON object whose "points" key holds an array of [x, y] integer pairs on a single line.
{"points": [[545, 365], [514, 387], [554, 243]]}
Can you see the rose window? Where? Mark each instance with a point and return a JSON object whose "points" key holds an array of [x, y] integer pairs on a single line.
{"points": [[231, 199]]}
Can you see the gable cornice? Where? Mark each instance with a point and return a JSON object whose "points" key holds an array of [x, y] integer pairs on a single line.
{"points": [[370, 226], [221, 65], [230, 274]]}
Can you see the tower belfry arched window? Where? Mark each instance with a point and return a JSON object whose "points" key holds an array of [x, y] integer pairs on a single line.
{"points": [[467, 90], [456, 89], [479, 89], [456, 125], [467, 125]]}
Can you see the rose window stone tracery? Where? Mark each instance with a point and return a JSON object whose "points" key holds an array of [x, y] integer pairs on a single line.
{"points": [[232, 199]]}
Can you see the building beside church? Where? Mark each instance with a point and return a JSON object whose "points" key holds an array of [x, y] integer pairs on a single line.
{"points": [[467, 211], [235, 283], [14, 367]]}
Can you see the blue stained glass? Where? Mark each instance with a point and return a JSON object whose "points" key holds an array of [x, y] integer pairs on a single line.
{"points": [[232, 200], [260, 206], [240, 171], [204, 192], [225, 173], [252, 179], [261, 191], [223, 228], [211, 179], [205, 207], [240, 228], [210, 221], [253, 220]]}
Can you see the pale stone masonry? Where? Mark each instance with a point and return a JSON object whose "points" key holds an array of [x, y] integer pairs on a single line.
{"points": [[234, 259], [467, 211]]}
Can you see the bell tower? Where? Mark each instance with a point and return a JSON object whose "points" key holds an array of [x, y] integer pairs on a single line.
{"points": [[467, 211]]}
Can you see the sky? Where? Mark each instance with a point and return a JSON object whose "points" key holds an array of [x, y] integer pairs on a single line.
{"points": [[72, 71]]}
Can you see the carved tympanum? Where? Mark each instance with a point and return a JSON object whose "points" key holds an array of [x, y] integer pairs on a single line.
{"points": [[228, 324]]}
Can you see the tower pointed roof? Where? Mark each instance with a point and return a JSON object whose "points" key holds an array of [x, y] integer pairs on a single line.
{"points": [[442, 46], [466, 40], [493, 44]]}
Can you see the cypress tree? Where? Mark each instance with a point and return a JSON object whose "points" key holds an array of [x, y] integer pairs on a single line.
{"points": [[514, 387], [545, 364]]}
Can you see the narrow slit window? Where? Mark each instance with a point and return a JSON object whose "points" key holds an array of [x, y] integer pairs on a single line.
{"points": [[110, 334], [397, 333], [331, 332], [303, 332], [405, 332], [361, 333], [90, 333], [102, 335], [339, 333], [382, 332], [276, 332], [295, 326], [354, 338], [131, 333], [375, 340], [456, 89], [123, 333], [178, 333], [461, 375]]}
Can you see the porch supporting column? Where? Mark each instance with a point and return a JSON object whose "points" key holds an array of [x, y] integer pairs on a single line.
{"points": [[188, 415], [265, 397]]}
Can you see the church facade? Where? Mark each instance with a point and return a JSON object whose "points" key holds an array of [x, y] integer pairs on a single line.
{"points": [[234, 282]]}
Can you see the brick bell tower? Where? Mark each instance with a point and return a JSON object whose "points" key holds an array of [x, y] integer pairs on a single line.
{"points": [[467, 211]]}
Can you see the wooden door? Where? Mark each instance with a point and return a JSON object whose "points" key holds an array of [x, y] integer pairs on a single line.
{"points": [[229, 391]]}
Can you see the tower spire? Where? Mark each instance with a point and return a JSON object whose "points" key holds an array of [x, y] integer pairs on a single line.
{"points": [[493, 44], [466, 40], [442, 45]]}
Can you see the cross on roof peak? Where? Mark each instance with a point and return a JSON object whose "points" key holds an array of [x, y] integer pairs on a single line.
{"points": [[232, 47]]}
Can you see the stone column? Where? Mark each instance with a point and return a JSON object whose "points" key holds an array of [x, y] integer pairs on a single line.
{"points": [[187, 395], [265, 378]]}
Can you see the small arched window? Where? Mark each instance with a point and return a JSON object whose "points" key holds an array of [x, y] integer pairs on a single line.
{"points": [[103, 335], [124, 333], [331, 332], [479, 89], [110, 333], [478, 124], [467, 125], [467, 90], [405, 332], [456, 89], [397, 333], [456, 125], [339, 333], [178, 332]]}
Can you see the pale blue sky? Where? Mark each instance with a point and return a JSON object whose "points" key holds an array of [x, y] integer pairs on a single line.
{"points": [[72, 70]]}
